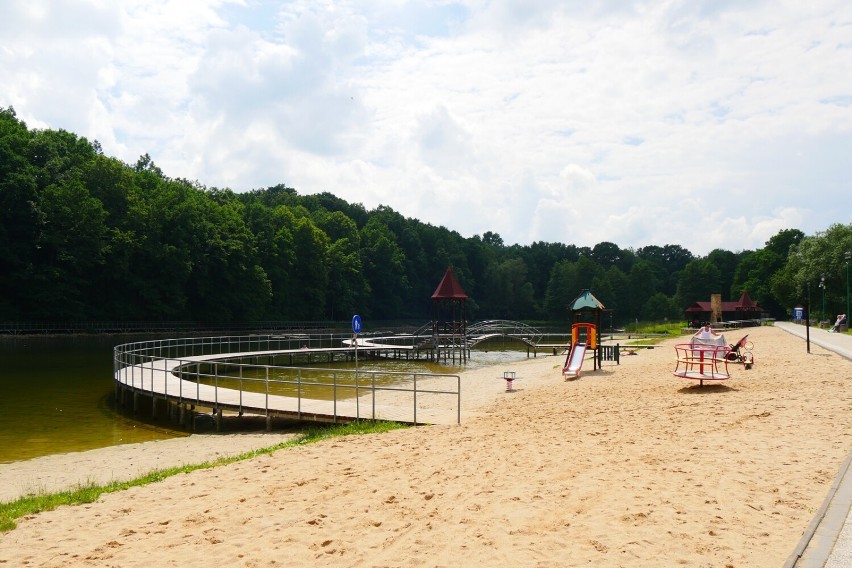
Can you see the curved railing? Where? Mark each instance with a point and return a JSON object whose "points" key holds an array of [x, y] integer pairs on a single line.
{"points": [[485, 330], [260, 374]]}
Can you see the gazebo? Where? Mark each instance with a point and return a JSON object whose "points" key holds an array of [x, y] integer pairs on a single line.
{"points": [[449, 318]]}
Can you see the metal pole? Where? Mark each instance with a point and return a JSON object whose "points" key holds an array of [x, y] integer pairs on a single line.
{"points": [[808, 319], [848, 256], [458, 400], [822, 285], [357, 398]]}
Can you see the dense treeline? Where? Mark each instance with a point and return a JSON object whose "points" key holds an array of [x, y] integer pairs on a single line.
{"points": [[84, 236]]}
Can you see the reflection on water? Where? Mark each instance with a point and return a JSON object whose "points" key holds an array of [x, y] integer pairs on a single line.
{"points": [[338, 380], [57, 393], [57, 397]]}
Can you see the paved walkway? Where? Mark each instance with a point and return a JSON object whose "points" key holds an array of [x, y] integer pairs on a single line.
{"points": [[827, 542]]}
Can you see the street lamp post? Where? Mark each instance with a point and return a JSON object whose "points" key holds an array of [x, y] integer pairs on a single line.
{"points": [[822, 285], [808, 318], [847, 255]]}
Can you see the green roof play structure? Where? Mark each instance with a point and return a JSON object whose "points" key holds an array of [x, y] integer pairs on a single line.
{"points": [[586, 311]]}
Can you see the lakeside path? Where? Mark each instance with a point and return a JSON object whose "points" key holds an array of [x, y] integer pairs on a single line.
{"points": [[625, 466], [827, 542]]}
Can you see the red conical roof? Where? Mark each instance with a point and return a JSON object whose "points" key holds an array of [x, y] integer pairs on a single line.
{"points": [[746, 302], [449, 287]]}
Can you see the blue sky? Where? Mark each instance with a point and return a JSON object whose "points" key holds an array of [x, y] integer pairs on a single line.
{"points": [[707, 124]]}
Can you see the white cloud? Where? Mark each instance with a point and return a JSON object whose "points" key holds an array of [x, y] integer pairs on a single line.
{"points": [[444, 142], [706, 124]]}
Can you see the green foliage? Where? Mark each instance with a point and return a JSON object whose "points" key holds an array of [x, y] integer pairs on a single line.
{"points": [[660, 307], [309, 275], [698, 280], [668, 261], [85, 236], [69, 248], [383, 262], [558, 286], [510, 295], [784, 241], [726, 262], [813, 258], [608, 254], [642, 284]]}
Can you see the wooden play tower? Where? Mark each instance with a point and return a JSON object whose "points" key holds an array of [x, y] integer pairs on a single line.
{"points": [[449, 320]]}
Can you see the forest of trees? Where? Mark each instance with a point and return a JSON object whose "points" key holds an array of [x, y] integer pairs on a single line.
{"points": [[84, 236]]}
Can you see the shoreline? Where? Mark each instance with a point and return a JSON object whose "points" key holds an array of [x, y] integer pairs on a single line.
{"points": [[627, 465], [71, 470]]}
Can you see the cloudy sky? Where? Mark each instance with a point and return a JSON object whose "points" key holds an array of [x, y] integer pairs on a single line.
{"points": [[704, 123]]}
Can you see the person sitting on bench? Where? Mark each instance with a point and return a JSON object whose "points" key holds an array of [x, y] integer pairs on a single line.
{"points": [[841, 320]]}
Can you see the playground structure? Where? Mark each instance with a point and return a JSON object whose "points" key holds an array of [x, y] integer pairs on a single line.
{"points": [[586, 313], [510, 377], [583, 337], [701, 362], [707, 359]]}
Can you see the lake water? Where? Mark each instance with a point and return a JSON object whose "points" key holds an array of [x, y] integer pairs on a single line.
{"points": [[57, 395]]}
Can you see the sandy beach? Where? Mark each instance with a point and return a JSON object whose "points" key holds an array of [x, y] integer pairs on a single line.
{"points": [[625, 466]]}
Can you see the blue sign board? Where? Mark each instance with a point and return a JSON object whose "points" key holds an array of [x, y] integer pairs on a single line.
{"points": [[798, 313], [356, 323]]}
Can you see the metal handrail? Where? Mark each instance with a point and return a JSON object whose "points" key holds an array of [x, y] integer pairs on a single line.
{"points": [[507, 328], [181, 358]]}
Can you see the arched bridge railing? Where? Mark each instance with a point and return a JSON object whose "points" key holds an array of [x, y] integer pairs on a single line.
{"points": [[422, 337], [491, 329]]}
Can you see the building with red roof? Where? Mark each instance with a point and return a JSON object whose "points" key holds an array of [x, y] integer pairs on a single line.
{"points": [[743, 309]]}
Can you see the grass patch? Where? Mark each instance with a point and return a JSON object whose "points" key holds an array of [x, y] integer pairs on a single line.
{"points": [[671, 329], [30, 505], [658, 333]]}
